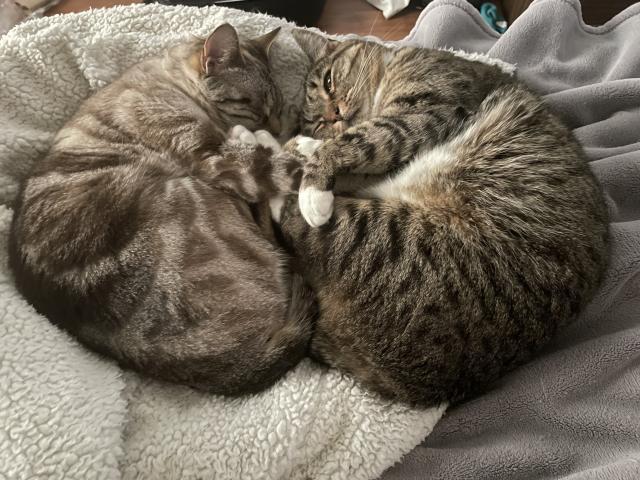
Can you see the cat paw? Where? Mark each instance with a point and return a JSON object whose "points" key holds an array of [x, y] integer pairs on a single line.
{"points": [[240, 134], [265, 139], [307, 146], [276, 204], [316, 206]]}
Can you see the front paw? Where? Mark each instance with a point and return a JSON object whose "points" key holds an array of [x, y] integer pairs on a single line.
{"points": [[267, 140], [307, 146], [316, 206], [241, 135]]}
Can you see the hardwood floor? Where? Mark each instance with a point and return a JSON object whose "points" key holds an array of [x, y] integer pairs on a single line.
{"points": [[357, 16], [338, 16]]}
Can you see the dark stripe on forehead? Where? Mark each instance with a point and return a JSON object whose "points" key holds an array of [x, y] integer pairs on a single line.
{"points": [[254, 54], [418, 98], [356, 51], [343, 48]]}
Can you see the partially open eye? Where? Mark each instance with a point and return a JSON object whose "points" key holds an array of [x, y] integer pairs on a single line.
{"points": [[327, 82]]}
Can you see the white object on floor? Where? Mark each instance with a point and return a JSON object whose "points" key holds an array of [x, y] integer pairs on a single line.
{"points": [[65, 413], [389, 7]]}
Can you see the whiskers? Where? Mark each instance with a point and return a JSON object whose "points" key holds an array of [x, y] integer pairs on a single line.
{"points": [[364, 73]]}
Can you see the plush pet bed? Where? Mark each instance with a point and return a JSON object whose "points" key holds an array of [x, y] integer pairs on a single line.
{"points": [[64, 412], [572, 413]]}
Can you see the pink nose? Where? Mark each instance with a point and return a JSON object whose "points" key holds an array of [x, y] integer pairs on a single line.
{"points": [[335, 113], [332, 114]]}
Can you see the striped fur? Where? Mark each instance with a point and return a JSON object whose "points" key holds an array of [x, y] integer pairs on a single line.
{"points": [[487, 235], [148, 238]]}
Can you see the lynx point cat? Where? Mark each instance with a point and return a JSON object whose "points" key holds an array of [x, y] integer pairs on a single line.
{"points": [[488, 233], [135, 232]]}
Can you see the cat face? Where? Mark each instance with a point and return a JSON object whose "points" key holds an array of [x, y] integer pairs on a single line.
{"points": [[238, 81], [339, 87]]}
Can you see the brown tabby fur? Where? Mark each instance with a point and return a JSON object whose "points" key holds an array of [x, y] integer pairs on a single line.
{"points": [[489, 234], [135, 233]]}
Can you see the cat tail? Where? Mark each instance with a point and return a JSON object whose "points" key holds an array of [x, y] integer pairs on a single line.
{"points": [[291, 341], [288, 342]]}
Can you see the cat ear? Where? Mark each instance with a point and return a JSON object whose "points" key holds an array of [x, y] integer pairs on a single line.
{"points": [[314, 45], [221, 50], [267, 39]]}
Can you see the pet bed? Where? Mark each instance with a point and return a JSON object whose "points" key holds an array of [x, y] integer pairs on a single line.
{"points": [[67, 414]]}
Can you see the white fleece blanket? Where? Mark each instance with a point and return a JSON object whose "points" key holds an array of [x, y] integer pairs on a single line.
{"points": [[67, 414]]}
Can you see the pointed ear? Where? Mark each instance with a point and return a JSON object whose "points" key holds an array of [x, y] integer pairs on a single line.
{"points": [[221, 50], [314, 45], [265, 41]]}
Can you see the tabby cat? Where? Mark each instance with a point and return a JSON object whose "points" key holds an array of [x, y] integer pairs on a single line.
{"points": [[135, 233], [487, 235]]}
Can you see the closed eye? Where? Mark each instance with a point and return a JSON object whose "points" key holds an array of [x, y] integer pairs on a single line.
{"points": [[241, 100]]}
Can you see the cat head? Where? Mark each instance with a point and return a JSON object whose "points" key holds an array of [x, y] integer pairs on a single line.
{"points": [[340, 86], [234, 75]]}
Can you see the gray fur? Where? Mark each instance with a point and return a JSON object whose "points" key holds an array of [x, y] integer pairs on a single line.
{"points": [[148, 238]]}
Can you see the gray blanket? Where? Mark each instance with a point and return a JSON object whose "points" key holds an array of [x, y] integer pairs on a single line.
{"points": [[573, 413]]}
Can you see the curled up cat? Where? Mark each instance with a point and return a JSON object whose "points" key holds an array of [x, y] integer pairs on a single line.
{"points": [[481, 233], [146, 235]]}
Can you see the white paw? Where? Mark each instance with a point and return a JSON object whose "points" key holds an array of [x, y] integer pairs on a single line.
{"points": [[276, 204], [307, 146], [316, 205], [235, 132], [265, 139], [240, 134]]}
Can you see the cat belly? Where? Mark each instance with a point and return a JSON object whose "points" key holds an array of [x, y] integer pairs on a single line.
{"points": [[424, 171]]}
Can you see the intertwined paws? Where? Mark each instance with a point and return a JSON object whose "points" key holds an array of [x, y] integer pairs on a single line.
{"points": [[316, 205], [307, 146], [240, 134]]}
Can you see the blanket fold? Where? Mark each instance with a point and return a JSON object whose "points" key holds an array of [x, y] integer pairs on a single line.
{"points": [[573, 412]]}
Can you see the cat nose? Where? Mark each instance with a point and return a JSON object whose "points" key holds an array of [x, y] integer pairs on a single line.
{"points": [[331, 114], [335, 113]]}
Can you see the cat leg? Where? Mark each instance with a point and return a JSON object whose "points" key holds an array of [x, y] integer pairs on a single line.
{"points": [[254, 166], [316, 205], [377, 146]]}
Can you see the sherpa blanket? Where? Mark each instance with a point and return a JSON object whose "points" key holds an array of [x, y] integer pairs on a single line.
{"points": [[574, 413], [67, 414]]}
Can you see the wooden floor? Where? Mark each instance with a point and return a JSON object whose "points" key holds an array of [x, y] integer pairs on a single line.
{"points": [[338, 16], [357, 16]]}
